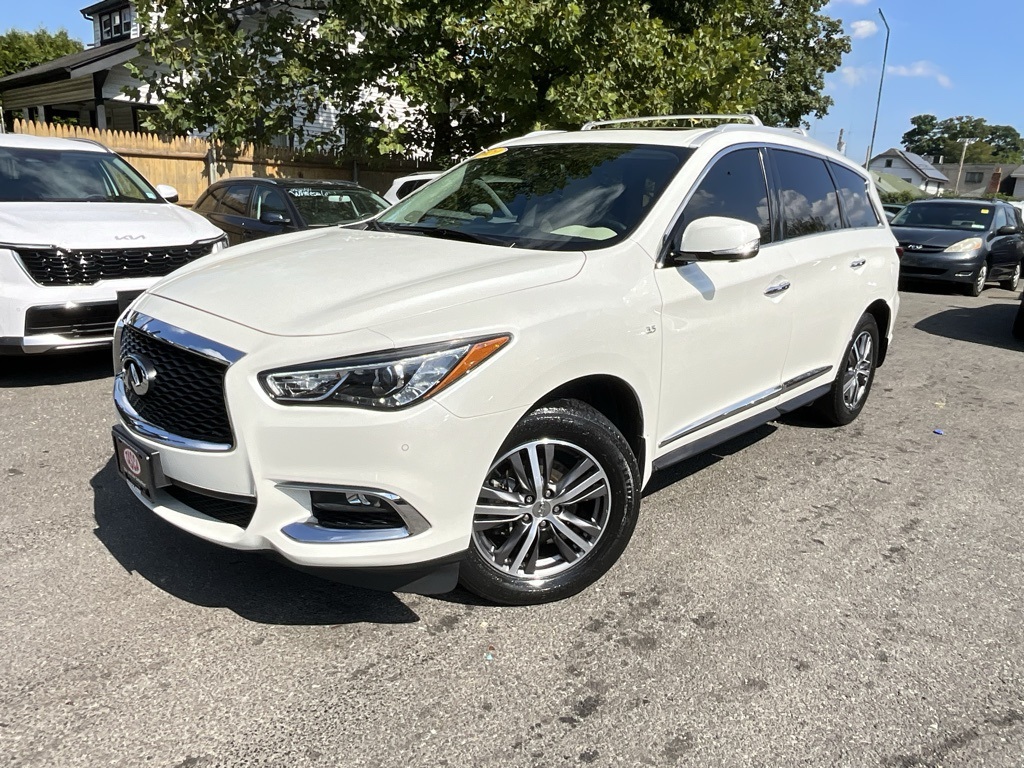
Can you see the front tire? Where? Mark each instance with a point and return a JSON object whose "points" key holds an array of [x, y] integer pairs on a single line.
{"points": [[556, 509], [978, 284], [1013, 281], [852, 384]]}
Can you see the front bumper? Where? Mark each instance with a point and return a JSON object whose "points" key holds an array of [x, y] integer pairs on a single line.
{"points": [[426, 457], [942, 267]]}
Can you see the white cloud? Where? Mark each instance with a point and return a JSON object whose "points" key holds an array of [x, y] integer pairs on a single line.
{"points": [[921, 69], [862, 29], [854, 75]]}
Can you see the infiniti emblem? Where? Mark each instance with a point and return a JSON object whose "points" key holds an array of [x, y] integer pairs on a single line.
{"points": [[138, 373]]}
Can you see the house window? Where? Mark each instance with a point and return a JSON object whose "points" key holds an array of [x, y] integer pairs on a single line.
{"points": [[888, 162], [116, 24], [974, 177]]}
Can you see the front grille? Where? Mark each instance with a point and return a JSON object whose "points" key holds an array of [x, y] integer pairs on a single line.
{"points": [[353, 510], [186, 398], [55, 266], [918, 248], [237, 511], [904, 269], [77, 322]]}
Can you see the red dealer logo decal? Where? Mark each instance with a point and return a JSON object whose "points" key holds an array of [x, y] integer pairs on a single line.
{"points": [[131, 461]]}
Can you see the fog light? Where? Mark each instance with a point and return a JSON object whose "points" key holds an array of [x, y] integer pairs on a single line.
{"points": [[964, 274], [354, 511]]}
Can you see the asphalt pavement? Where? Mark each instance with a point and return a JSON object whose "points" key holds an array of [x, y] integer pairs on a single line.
{"points": [[800, 596]]}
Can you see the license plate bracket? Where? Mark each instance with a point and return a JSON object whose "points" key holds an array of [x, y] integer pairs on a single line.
{"points": [[139, 466]]}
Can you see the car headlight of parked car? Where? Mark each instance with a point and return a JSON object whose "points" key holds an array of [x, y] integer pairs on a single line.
{"points": [[388, 380], [970, 244], [219, 244]]}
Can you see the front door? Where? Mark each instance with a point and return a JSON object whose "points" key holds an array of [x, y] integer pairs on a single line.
{"points": [[726, 325]]}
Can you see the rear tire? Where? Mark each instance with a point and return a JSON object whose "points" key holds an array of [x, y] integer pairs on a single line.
{"points": [[1013, 281], [556, 509], [852, 384]]}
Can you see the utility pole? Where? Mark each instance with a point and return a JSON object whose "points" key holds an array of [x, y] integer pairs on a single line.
{"points": [[963, 154], [881, 81]]}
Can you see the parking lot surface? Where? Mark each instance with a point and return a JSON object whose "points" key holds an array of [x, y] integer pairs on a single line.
{"points": [[800, 596]]}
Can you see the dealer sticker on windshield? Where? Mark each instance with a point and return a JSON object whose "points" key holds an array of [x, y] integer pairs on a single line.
{"points": [[490, 152]]}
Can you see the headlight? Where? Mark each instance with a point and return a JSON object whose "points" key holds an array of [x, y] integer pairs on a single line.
{"points": [[970, 244], [388, 380], [219, 244]]}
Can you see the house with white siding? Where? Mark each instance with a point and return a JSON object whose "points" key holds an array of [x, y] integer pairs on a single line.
{"points": [[911, 168]]}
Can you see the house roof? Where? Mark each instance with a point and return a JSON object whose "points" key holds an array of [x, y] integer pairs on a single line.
{"points": [[103, 5], [1019, 173], [922, 166], [886, 182], [61, 69]]}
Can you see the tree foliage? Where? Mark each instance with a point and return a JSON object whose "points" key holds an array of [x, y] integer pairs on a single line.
{"points": [[21, 50], [932, 137], [450, 76]]}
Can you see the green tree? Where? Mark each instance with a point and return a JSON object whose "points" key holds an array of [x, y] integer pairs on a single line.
{"points": [[21, 50], [450, 76], [932, 137]]}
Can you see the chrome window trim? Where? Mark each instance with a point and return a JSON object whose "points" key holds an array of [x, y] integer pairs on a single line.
{"points": [[745, 405], [179, 337]]}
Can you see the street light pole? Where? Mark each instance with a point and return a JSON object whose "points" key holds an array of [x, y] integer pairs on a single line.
{"points": [[960, 171], [881, 81]]}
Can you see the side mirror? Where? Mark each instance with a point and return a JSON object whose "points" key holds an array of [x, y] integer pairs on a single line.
{"points": [[274, 219], [167, 192], [717, 238], [1008, 229]]}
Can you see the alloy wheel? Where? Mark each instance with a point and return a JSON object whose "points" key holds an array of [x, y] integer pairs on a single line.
{"points": [[542, 508], [859, 364], [979, 281]]}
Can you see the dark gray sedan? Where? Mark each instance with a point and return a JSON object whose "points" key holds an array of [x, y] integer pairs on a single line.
{"points": [[969, 242]]}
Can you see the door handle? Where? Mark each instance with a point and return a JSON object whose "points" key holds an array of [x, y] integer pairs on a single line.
{"points": [[775, 290], [858, 263]]}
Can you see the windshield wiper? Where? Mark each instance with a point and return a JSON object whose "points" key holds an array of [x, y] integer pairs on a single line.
{"points": [[444, 232]]}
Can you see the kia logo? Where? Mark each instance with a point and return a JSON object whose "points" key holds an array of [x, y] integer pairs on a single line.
{"points": [[138, 373], [131, 461], [129, 237]]}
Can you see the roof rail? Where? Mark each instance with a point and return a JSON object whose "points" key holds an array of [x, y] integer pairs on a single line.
{"points": [[104, 147], [736, 118]]}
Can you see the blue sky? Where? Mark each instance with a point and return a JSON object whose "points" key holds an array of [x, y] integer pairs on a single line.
{"points": [[946, 57]]}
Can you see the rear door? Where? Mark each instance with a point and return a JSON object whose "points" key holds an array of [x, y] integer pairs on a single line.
{"points": [[830, 262], [1004, 250]]}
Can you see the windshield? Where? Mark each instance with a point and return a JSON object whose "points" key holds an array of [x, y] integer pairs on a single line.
{"points": [[969, 216], [70, 176], [326, 206], [551, 196]]}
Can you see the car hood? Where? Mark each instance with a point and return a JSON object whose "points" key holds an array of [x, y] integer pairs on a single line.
{"points": [[934, 237], [101, 225], [318, 283]]}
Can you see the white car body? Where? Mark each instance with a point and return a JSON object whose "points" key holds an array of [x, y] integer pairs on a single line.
{"points": [[406, 185], [42, 311], [702, 348]]}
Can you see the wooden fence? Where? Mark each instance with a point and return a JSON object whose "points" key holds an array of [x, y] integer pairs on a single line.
{"points": [[190, 166]]}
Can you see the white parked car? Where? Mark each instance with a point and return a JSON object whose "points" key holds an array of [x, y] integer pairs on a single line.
{"points": [[404, 186], [478, 386], [81, 234]]}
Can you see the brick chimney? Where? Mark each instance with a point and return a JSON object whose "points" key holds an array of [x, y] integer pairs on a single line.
{"points": [[994, 182]]}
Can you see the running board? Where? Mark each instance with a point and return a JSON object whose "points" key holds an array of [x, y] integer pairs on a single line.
{"points": [[684, 452]]}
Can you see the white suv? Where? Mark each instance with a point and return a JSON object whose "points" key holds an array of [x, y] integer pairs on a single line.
{"points": [[479, 384], [81, 234]]}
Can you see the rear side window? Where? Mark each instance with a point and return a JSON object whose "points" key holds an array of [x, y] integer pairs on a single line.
{"points": [[410, 186], [734, 187], [209, 201], [853, 192], [808, 197]]}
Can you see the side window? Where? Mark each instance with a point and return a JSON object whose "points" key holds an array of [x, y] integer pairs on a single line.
{"points": [[1019, 219], [208, 202], [236, 200], [268, 200], [853, 192], [809, 200], [1001, 219], [734, 187]]}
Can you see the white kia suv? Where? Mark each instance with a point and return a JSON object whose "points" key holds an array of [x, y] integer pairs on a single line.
{"points": [[478, 384], [81, 234]]}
